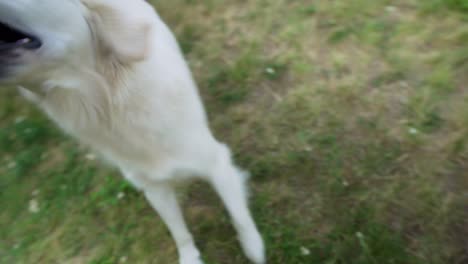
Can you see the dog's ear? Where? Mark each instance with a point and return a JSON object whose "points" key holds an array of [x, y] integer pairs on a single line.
{"points": [[123, 26]]}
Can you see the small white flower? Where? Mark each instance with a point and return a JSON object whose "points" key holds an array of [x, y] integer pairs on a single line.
{"points": [[359, 235], [90, 156], [19, 119], [123, 259], [305, 251], [270, 70], [390, 9], [345, 183], [34, 206], [120, 195], [413, 131], [11, 165]]}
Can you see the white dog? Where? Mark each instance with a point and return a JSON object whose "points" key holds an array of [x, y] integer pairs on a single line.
{"points": [[110, 73]]}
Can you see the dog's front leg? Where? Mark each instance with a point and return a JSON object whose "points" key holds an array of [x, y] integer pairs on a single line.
{"points": [[163, 199]]}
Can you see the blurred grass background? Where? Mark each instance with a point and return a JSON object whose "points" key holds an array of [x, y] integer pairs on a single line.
{"points": [[352, 116]]}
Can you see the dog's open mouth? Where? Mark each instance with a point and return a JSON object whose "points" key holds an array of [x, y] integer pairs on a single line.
{"points": [[11, 38]]}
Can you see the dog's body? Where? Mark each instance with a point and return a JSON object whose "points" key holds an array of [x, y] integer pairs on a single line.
{"points": [[113, 76]]}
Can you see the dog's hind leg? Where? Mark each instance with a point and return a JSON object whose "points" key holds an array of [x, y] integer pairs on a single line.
{"points": [[163, 199], [230, 183]]}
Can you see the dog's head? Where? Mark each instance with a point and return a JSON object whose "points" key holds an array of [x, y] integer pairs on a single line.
{"points": [[38, 38]]}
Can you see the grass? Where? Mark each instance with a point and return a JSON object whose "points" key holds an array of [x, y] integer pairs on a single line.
{"points": [[351, 115]]}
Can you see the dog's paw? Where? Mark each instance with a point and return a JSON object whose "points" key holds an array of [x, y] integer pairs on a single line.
{"points": [[190, 261], [253, 246], [189, 254]]}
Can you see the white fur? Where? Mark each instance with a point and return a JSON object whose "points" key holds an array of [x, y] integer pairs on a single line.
{"points": [[111, 74]]}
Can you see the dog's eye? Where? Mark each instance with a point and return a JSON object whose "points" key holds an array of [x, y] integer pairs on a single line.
{"points": [[11, 37]]}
